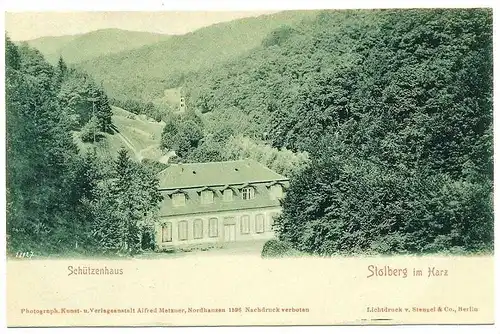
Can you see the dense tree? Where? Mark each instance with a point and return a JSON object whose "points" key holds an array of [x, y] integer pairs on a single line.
{"points": [[394, 108], [62, 70], [39, 152], [356, 206], [103, 111], [158, 111], [278, 36], [12, 58], [57, 199], [81, 98], [282, 160], [182, 133], [412, 163], [124, 204]]}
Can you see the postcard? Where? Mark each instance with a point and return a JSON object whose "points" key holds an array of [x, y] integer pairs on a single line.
{"points": [[217, 168]]}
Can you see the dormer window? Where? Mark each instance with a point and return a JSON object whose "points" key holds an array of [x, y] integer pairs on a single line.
{"points": [[227, 195], [178, 199], [207, 197], [248, 193], [276, 191]]}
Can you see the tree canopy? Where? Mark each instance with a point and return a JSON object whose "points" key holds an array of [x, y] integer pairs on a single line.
{"points": [[393, 107], [59, 199]]}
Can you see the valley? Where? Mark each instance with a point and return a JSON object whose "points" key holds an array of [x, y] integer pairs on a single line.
{"points": [[382, 120]]}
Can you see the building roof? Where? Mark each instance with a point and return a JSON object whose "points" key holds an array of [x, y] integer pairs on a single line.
{"points": [[191, 179], [210, 174]]}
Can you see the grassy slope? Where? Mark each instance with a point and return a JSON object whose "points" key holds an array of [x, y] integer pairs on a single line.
{"points": [[141, 137], [147, 71], [97, 43], [172, 96]]}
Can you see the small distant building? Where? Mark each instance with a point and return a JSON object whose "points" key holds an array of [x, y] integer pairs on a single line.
{"points": [[176, 98], [217, 203], [182, 104]]}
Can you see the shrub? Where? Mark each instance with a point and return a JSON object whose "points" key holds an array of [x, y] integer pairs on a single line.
{"points": [[277, 248]]}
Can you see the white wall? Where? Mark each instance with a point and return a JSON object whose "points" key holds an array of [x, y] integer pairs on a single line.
{"points": [[252, 213]]}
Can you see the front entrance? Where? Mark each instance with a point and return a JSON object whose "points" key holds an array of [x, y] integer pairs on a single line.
{"points": [[229, 229], [229, 232]]}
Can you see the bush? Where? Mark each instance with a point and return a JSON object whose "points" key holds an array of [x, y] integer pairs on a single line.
{"points": [[277, 248]]}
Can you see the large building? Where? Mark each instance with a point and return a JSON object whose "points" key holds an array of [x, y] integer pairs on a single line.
{"points": [[217, 203]]}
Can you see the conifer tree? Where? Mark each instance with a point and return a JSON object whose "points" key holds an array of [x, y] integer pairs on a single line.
{"points": [[103, 111], [62, 69]]}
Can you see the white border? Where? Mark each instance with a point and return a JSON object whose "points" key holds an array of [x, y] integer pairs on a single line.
{"points": [[227, 5]]}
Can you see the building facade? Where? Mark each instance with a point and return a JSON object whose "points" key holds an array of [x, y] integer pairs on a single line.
{"points": [[217, 203]]}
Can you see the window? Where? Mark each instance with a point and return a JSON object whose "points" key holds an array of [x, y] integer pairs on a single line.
{"points": [[259, 223], [166, 232], [183, 230], [248, 193], [178, 199], [269, 223], [213, 227], [276, 191], [207, 197], [198, 228], [245, 224], [228, 195]]}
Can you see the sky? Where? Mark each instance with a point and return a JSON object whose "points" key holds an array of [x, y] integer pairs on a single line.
{"points": [[30, 25]]}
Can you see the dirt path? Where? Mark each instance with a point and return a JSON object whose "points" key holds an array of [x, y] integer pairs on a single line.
{"points": [[127, 142], [247, 248]]}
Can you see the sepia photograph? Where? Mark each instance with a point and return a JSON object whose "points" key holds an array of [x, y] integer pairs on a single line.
{"points": [[221, 160]]}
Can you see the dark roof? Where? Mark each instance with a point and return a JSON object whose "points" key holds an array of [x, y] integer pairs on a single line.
{"points": [[193, 201], [209, 174]]}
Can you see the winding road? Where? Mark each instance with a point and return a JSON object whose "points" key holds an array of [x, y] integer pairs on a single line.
{"points": [[127, 142]]}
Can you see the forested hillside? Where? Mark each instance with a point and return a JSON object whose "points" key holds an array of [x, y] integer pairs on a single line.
{"points": [[394, 108], [60, 200], [144, 73], [82, 47], [382, 120]]}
